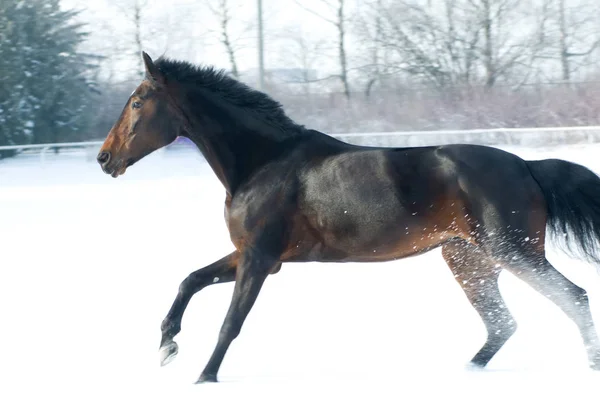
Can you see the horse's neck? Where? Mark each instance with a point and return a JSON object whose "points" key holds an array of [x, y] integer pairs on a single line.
{"points": [[233, 156], [217, 157], [234, 144]]}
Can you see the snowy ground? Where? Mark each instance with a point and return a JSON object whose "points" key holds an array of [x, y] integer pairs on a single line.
{"points": [[90, 266]]}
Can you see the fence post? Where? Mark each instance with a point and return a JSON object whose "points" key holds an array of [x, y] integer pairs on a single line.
{"points": [[43, 155]]}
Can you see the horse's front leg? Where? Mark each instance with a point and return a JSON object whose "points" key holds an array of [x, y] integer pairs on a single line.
{"points": [[251, 273], [219, 272]]}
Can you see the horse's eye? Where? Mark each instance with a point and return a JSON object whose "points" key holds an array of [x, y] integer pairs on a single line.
{"points": [[136, 105]]}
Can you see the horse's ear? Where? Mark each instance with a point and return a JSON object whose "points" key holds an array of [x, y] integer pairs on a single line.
{"points": [[153, 74]]}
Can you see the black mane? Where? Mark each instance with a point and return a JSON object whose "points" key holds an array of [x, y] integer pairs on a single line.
{"points": [[231, 91]]}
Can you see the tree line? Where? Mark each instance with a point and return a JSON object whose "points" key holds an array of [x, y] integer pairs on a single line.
{"points": [[397, 64]]}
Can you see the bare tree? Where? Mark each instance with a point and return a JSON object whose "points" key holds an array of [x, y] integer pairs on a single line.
{"points": [[437, 44], [509, 36], [368, 28], [221, 11], [412, 37], [338, 19], [133, 11], [375, 51], [341, 27], [139, 23], [138, 6], [578, 35], [458, 42], [569, 37], [299, 50]]}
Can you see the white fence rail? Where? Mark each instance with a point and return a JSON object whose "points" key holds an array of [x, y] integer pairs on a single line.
{"points": [[532, 137], [535, 137], [44, 148]]}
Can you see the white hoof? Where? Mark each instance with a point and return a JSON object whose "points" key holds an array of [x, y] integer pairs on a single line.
{"points": [[168, 352]]}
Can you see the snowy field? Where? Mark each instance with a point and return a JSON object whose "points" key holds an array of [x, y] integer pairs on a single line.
{"points": [[90, 266]]}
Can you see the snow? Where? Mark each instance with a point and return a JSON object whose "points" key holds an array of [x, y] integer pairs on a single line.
{"points": [[91, 265]]}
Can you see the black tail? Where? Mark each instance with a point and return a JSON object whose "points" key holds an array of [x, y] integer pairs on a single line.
{"points": [[573, 195]]}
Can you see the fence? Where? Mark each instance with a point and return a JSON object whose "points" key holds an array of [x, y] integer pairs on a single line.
{"points": [[528, 137]]}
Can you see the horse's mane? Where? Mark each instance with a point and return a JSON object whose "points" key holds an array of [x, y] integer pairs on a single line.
{"points": [[231, 91]]}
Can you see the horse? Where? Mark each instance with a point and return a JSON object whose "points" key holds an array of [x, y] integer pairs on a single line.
{"points": [[294, 194]]}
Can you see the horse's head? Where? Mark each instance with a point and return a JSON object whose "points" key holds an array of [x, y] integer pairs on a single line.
{"points": [[148, 122]]}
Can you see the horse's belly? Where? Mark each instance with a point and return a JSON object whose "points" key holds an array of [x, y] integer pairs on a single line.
{"points": [[375, 230], [364, 239]]}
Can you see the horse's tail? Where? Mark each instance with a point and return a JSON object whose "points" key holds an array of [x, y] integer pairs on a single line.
{"points": [[572, 195]]}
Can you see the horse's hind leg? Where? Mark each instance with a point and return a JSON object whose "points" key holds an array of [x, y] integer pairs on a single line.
{"points": [[221, 271], [478, 275], [570, 298]]}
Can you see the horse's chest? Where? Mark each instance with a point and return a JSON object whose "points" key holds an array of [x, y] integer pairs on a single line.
{"points": [[244, 218], [257, 215]]}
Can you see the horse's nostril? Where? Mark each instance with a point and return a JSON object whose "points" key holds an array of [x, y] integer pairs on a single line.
{"points": [[103, 157]]}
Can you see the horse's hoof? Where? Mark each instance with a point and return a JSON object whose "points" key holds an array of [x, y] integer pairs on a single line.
{"points": [[205, 378], [168, 352]]}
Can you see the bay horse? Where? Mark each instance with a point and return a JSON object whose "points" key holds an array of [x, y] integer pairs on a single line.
{"points": [[293, 194]]}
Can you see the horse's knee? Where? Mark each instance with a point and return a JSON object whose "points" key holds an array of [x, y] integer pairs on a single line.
{"points": [[189, 283], [195, 281]]}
